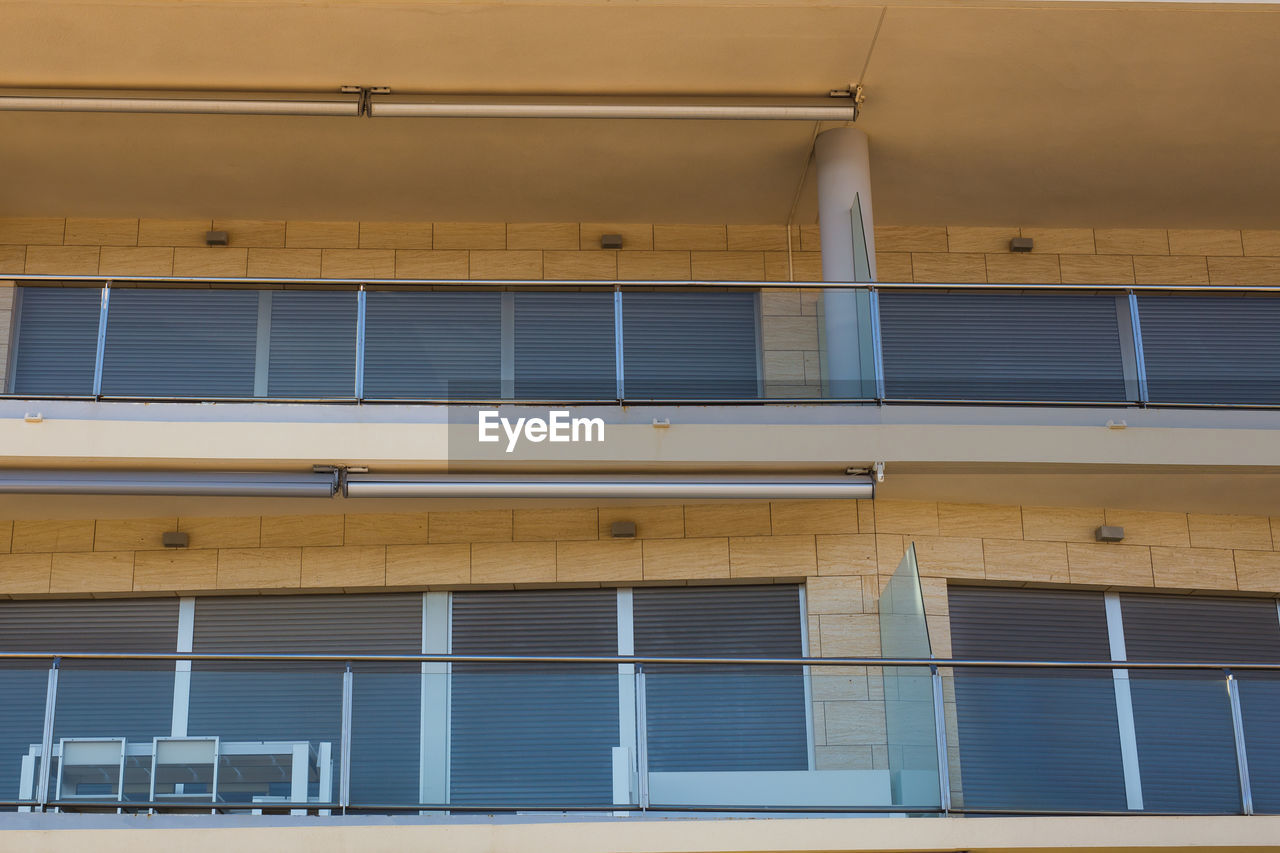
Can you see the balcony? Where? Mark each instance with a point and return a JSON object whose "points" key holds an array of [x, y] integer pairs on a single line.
{"points": [[633, 343]]}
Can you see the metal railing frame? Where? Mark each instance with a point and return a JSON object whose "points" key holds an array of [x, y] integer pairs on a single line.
{"points": [[642, 802], [881, 397]]}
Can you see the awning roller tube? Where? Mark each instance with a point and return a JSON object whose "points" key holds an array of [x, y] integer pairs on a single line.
{"points": [[610, 487], [168, 483]]}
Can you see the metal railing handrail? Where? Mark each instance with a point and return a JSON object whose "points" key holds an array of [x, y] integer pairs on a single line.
{"points": [[644, 660]]}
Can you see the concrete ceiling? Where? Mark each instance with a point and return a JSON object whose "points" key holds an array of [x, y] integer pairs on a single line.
{"points": [[1007, 112]]}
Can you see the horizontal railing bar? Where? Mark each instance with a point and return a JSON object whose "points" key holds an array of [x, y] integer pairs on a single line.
{"points": [[611, 283], [643, 660], [169, 805]]}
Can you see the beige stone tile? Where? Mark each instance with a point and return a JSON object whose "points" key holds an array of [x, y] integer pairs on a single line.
{"points": [[395, 235], [760, 238], [981, 520], [506, 264], [407, 528], [1023, 268], [704, 237], [576, 265], [1265, 243], [427, 263], [1131, 241], [654, 266], [635, 235], [259, 568], [542, 235], [1193, 568], [890, 549], [738, 519], [850, 636], [686, 559], [287, 530], [911, 238], [612, 560], [935, 267], [552, 524], [173, 232], [175, 570], [96, 571], [6, 536], [345, 566], [284, 263], [214, 262], [727, 266], [1044, 562], [855, 723], [481, 525], [1258, 570], [62, 260], [984, 239], [101, 232], [144, 260], [1158, 270], [469, 235], [652, 522], [1150, 528], [513, 562], [1275, 533], [1205, 242], [894, 266], [31, 231], [814, 516], [25, 574], [1062, 523], [13, 259], [867, 516], [772, 556], [783, 367], [834, 594], [242, 532], [252, 233], [358, 263], [846, 554], [949, 556], [780, 302], [1096, 269], [1248, 532], [424, 565], [810, 238], [37, 536], [131, 534], [1244, 272], [789, 333], [1059, 241], [300, 234], [802, 266], [1106, 563], [909, 517]]}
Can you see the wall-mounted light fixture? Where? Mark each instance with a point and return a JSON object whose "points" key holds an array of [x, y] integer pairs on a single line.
{"points": [[610, 241], [1021, 244], [216, 238], [175, 539], [623, 530], [1109, 534]]}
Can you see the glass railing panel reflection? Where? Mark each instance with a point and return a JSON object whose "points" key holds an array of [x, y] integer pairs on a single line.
{"points": [[1260, 712], [56, 340], [23, 685]]}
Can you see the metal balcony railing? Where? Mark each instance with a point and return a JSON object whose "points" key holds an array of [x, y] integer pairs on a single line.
{"points": [[426, 341], [443, 734]]}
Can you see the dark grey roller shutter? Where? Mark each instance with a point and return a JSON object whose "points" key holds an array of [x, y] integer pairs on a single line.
{"points": [[313, 344], [999, 346], [96, 699], [564, 346], [291, 701], [433, 344], [57, 340], [534, 734], [180, 343], [690, 345], [1035, 740], [1211, 349], [722, 718], [1186, 747]]}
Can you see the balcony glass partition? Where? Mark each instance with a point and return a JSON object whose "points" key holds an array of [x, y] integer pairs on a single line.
{"points": [[23, 686], [55, 340]]}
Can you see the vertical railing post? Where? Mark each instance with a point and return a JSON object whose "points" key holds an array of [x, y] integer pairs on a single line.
{"points": [[940, 739], [877, 351], [360, 315], [619, 374], [46, 737], [1242, 759], [344, 775], [1144, 396], [642, 738], [101, 350]]}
